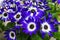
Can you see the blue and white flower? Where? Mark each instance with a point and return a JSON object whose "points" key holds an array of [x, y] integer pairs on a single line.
{"points": [[10, 35], [48, 25], [30, 26]]}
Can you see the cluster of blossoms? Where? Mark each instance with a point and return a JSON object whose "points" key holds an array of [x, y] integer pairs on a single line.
{"points": [[30, 15]]}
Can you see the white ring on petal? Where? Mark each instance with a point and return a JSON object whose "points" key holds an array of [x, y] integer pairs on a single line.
{"points": [[34, 3], [19, 17], [10, 10], [42, 4], [28, 27], [4, 16], [32, 8], [45, 30], [43, 9], [11, 36]]}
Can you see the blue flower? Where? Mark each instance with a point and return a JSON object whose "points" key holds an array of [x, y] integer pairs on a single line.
{"points": [[46, 7], [7, 8], [58, 1], [48, 25], [22, 3], [4, 15], [39, 6], [42, 2], [40, 14], [33, 2], [33, 11], [9, 1], [17, 16], [30, 26], [43, 5], [10, 34]]}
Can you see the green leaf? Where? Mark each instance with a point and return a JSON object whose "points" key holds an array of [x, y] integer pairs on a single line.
{"points": [[46, 37], [52, 6], [57, 35], [57, 15], [9, 25], [57, 8], [22, 36], [1, 25], [36, 37], [49, 0]]}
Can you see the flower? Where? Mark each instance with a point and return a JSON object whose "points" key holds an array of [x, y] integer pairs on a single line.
{"points": [[22, 3], [6, 10], [58, 1], [30, 26], [43, 5], [4, 15], [46, 7], [33, 2], [42, 2], [40, 14], [33, 11], [8, 2], [16, 17], [10, 34], [48, 25]]}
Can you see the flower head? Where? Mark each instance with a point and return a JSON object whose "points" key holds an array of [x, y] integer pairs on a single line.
{"points": [[30, 26], [48, 25], [43, 5], [33, 11], [10, 35], [4, 15], [16, 17], [22, 3]]}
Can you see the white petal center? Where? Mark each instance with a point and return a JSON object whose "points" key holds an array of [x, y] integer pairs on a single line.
{"points": [[28, 27], [10, 34], [46, 30]]}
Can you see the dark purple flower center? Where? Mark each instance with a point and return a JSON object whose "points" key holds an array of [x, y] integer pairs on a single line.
{"points": [[45, 27], [32, 11], [5, 14], [40, 2], [12, 34], [18, 16], [31, 26], [40, 5]]}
